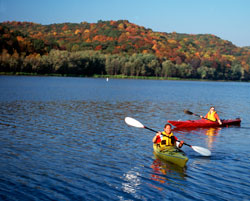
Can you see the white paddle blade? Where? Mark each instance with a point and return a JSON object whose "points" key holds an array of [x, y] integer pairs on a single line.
{"points": [[202, 151], [133, 122]]}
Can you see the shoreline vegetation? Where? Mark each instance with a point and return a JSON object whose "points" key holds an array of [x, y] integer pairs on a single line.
{"points": [[92, 63], [116, 77], [93, 76]]}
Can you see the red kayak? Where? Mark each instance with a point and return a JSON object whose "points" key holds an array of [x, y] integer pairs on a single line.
{"points": [[201, 123]]}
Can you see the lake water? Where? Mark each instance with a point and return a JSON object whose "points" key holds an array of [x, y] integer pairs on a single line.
{"points": [[65, 139]]}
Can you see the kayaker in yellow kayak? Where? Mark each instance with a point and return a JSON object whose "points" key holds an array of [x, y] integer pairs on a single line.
{"points": [[212, 115], [166, 138]]}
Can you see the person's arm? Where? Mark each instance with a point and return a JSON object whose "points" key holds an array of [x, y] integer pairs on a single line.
{"points": [[217, 118], [204, 117], [157, 138], [181, 142]]}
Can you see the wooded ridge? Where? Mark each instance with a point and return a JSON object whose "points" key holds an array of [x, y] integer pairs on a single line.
{"points": [[118, 48]]}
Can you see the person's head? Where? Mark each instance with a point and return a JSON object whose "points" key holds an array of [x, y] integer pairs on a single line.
{"points": [[168, 128], [212, 108]]}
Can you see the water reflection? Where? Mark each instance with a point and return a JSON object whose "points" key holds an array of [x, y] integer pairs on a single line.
{"points": [[164, 171], [210, 132], [133, 180]]}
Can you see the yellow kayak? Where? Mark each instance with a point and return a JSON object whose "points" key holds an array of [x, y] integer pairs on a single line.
{"points": [[171, 154]]}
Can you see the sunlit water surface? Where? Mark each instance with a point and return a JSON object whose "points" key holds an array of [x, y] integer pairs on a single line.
{"points": [[65, 139]]}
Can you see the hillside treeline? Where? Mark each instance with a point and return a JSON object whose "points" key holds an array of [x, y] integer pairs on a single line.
{"points": [[118, 48], [88, 63]]}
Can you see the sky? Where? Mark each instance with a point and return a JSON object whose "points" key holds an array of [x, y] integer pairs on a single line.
{"points": [[227, 19]]}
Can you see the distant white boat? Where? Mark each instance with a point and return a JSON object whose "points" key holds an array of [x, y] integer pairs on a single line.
{"points": [[107, 79]]}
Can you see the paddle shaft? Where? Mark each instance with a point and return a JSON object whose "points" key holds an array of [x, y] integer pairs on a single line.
{"points": [[185, 143], [202, 117], [150, 129]]}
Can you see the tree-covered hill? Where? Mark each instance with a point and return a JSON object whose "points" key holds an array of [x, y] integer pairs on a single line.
{"points": [[205, 55], [15, 41]]}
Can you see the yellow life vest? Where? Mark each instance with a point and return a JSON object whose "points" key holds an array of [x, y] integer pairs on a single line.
{"points": [[166, 140], [211, 116]]}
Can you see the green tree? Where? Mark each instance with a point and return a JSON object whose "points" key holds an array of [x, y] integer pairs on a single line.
{"points": [[236, 71], [205, 72], [186, 71], [38, 45], [168, 69]]}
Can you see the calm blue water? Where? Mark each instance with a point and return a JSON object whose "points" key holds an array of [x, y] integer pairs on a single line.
{"points": [[65, 139]]}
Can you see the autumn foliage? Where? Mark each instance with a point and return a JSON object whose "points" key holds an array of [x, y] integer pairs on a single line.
{"points": [[120, 47]]}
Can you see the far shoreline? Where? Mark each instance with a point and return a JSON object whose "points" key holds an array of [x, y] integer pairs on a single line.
{"points": [[115, 77]]}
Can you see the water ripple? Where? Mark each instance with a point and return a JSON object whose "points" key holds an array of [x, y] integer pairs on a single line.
{"points": [[76, 146]]}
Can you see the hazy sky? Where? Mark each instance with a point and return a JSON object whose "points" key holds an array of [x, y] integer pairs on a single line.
{"points": [[227, 19]]}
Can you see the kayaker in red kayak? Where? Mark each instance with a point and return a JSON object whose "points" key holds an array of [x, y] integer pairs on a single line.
{"points": [[166, 138], [212, 115]]}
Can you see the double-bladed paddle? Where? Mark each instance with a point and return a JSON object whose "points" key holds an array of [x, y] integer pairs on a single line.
{"points": [[191, 113], [135, 123]]}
